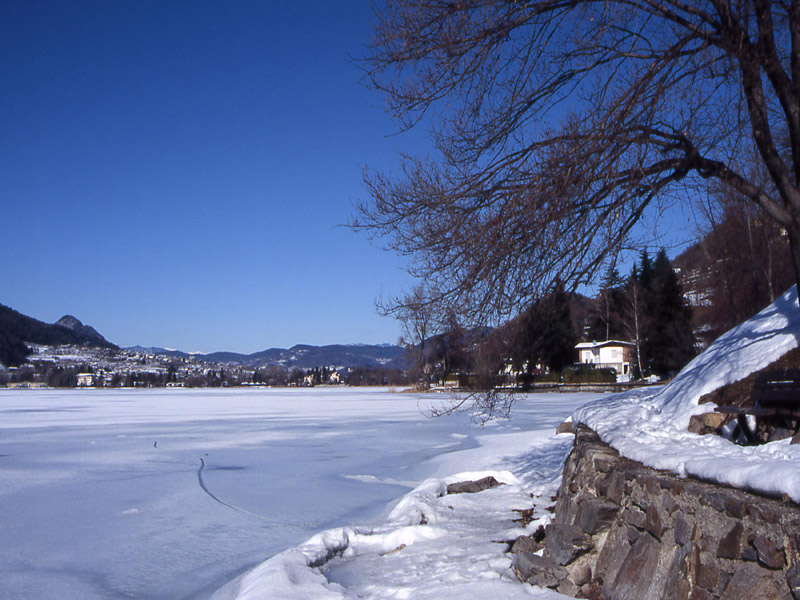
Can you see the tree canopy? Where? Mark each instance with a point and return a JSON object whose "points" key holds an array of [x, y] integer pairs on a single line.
{"points": [[560, 124]]}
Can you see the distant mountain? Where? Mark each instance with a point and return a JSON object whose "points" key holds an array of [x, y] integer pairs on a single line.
{"points": [[87, 332], [16, 329], [161, 351], [302, 355]]}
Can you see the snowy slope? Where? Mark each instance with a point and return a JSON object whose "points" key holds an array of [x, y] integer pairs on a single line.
{"points": [[651, 426]]}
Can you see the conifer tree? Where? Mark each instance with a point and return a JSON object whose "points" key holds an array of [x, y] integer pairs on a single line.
{"points": [[669, 341]]}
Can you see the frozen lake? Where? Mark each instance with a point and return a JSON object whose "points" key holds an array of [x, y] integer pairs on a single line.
{"points": [[171, 493]]}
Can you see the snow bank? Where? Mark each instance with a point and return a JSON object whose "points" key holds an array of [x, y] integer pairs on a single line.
{"points": [[650, 426]]}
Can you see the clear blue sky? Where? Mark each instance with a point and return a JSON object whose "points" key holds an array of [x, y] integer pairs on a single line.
{"points": [[173, 173]]}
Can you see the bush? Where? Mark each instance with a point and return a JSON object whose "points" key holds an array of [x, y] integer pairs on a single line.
{"points": [[588, 374], [552, 377]]}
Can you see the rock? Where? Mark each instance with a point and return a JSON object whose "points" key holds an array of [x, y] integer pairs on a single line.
{"points": [[653, 523], [525, 543], [706, 423], [611, 487], [729, 545], [668, 503], [769, 553], [539, 570], [472, 487], [567, 588], [750, 581], [564, 543], [683, 530], [594, 515], [612, 554], [701, 594], [634, 516], [795, 438], [566, 427], [581, 575], [793, 580], [525, 515], [708, 575], [631, 581]]}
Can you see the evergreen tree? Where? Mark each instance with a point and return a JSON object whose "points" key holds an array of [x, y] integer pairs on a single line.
{"points": [[544, 335], [668, 337]]}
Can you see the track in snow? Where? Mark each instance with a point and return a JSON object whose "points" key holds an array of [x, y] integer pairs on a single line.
{"points": [[210, 493]]}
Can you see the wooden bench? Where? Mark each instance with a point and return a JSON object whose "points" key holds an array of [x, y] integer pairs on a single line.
{"points": [[776, 398]]}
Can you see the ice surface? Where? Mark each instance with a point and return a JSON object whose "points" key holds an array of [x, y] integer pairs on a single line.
{"points": [[101, 490]]}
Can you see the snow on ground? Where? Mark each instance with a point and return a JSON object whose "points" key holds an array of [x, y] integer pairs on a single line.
{"points": [[430, 545], [650, 426], [172, 493]]}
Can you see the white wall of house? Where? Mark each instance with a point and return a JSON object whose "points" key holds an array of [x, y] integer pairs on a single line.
{"points": [[606, 355]]}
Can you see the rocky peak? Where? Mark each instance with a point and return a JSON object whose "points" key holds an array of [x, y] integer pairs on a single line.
{"points": [[70, 322]]}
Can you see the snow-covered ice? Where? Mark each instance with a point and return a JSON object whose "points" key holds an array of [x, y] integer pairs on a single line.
{"points": [[177, 493], [650, 425]]}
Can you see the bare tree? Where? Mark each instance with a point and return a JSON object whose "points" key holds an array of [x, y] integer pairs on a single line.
{"points": [[420, 319], [634, 318], [561, 124]]}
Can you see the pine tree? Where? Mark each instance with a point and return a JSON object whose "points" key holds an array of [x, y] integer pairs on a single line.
{"points": [[669, 340]]}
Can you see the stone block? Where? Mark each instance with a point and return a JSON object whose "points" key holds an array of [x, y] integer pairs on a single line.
{"points": [[634, 516], [612, 554], [539, 570], [595, 514], [653, 524], [708, 575], [526, 543], [793, 580], [581, 574], [762, 512], [735, 506], [706, 423], [751, 581], [730, 544], [566, 427], [668, 503], [630, 581], [611, 487], [770, 554], [567, 588], [564, 543], [683, 530], [676, 583], [472, 487]]}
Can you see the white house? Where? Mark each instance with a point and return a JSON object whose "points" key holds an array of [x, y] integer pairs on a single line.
{"points": [[86, 379], [612, 354]]}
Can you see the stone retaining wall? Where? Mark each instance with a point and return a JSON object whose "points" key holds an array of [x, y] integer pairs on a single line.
{"points": [[624, 531]]}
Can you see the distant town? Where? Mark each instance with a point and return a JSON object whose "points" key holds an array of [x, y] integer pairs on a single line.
{"points": [[86, 366]]}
